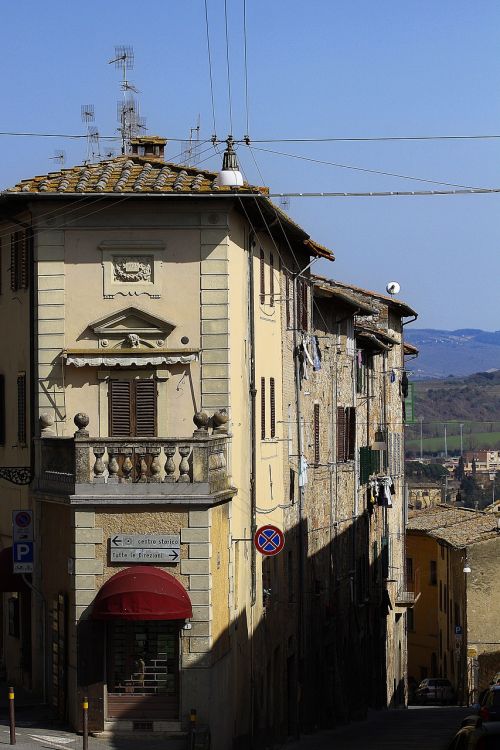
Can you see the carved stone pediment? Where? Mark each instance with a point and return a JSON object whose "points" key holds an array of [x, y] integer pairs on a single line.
{"points": [[131, 328]]}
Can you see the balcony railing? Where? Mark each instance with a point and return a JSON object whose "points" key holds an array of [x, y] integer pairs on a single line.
{"points": [[126, 466], [409, 590]]}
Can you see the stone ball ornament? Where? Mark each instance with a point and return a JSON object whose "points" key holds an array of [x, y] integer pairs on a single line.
{"points": [[81, 420]]}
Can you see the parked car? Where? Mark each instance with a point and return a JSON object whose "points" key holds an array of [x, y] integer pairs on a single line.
{"points": [[490, 707], [477, 736], [435, 690]]}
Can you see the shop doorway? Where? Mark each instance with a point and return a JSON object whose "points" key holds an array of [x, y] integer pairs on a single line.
{"points": [[143, 669]]}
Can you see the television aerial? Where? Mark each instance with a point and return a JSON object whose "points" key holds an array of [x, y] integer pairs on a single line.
{"points": [[59, 157], [88, 117], [130, 121]]}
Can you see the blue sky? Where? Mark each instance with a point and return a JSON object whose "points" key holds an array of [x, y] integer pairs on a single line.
{"points": [[325, 68]]}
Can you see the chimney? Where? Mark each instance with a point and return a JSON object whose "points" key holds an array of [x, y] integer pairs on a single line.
{"points": [[148, 148]]}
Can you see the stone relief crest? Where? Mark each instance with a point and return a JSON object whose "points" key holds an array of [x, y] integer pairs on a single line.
{"points": [[133, 270]]}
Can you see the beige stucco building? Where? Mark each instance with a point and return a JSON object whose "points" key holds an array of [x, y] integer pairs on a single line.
{"points": [[143, 297]]}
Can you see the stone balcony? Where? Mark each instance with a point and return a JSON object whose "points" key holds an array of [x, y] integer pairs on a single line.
{"points": [[140, 470]]}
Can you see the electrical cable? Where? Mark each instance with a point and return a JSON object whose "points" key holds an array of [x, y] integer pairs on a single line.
{"points": [[210, 67], [246, 65], [228, 71], [370, 139], [365, 169]]}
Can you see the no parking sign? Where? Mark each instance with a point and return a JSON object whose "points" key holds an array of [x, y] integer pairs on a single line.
{"points": [[269, 540]]}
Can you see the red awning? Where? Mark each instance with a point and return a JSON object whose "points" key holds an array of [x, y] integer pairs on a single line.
{"points": [[142, 593], [10, 581]]}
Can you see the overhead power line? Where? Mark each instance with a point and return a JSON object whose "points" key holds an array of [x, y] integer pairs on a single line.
{"points": [[361, 169], [379, 138]]}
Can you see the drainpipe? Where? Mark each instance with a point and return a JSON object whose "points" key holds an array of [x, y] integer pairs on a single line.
{"points": [[253, 394]]}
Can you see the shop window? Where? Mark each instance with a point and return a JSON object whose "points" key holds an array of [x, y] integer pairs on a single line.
{"points": [[21, 409], [132, 408], [13, 615]]}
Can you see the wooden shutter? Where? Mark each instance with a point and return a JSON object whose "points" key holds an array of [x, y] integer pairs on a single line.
{"points": [[13, 264], [272, 400], [120, 422], [287, 299], [145, 408], [351, 432], [2, 409], [316, 433], [262, 278], [271, 279], [263, 408], [341, 434], [304, 293], [24, 253], [21, 409], [365, 464]]}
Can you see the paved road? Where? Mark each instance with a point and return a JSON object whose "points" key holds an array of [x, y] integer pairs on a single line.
{"points": [[413, 729]]}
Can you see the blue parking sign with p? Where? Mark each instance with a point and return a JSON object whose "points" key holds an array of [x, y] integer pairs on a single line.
{"points": [[22, 557]]}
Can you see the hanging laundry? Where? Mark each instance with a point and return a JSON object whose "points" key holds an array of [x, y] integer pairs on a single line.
{"points": [[316, 353], [393, 376], [360, 357], [302, 471], [384, 491], [404, 385], [305, 342], [299, 353]]}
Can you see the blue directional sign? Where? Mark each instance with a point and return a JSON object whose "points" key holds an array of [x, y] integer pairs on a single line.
{"points": [[22, 557], [269, 540]]}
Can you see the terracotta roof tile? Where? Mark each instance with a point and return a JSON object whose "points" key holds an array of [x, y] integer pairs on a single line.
{"points": [[458, 527]]}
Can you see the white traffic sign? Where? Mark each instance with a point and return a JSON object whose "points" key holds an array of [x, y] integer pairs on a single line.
{"points": [[22, 557], [146, 541], [144, 555], [22, 525]]}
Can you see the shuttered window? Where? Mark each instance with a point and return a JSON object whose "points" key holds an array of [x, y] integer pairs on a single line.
{"points": [[145, 408], [132, 408], [271, 280], [263, 408], [346, 433], [351, 432], [272, 401], [2, 409], [341, 434], [20, 252], [262, 278], [302, 305], [288, 300], [316, 433], [21, 409]]}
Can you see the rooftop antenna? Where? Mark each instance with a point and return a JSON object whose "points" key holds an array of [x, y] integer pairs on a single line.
{"points": [[59, 157], [285, 202], [93, 147], [191, 147], [131, 123]]}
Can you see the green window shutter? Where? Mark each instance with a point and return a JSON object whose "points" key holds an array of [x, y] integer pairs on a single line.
{"points": [[409, 405], [365, 464]]}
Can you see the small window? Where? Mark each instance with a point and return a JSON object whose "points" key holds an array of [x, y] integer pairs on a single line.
{"points": [[433, 573], [410, 619]]}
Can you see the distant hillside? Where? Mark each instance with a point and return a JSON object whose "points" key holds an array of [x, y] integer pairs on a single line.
{"points": [[461, 352], [473, 401]]}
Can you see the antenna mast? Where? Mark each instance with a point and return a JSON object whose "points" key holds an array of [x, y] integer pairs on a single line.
{"points": [[93, 145], [192, 146], [130, 121]]}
